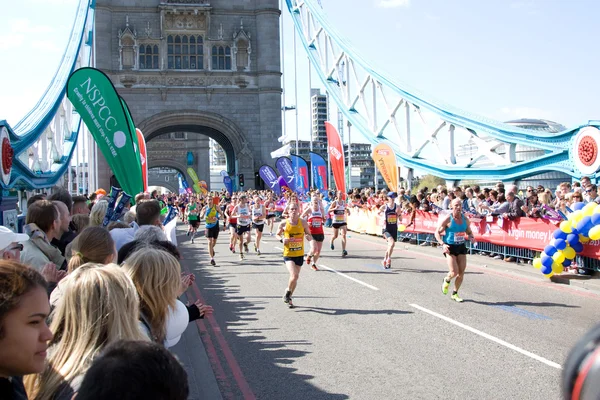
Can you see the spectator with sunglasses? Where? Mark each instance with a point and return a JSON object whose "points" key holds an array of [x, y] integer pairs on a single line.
{"points": [[591, 194]]}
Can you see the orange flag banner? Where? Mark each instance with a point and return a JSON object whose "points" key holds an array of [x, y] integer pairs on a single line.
{"points": [[385, 160]]}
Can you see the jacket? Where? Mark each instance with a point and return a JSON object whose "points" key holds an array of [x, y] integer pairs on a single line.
{"points": [[37, 251]]}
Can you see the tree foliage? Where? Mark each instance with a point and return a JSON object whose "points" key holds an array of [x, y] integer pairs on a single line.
{"points": [[430, 181]]}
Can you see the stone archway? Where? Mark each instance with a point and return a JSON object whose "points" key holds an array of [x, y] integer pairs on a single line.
{"points": [[179, 167], [222, 130]]}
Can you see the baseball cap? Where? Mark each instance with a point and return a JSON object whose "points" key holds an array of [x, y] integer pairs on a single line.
{"points": [[7, 237], [393, 195]]}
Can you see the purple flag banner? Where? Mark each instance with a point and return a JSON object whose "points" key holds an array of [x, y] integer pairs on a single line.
{"points": [[284, 166], [228, 184], [301, 171], [283, 185], [319, 172], [270, 177]]}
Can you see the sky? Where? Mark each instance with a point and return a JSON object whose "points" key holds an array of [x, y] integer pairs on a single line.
{"points": [[502, 59]]}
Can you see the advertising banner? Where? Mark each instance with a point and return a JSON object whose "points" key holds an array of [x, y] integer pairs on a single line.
{"points": [[194, 177], [319, 172], [283, 185], [300, 168], [95, 99], [336, 156], [228, 184], [270, 178], [284, 166], [143, 157], [385, 160]]}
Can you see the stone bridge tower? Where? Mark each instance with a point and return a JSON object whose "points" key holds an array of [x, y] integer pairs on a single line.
{"points": [[203, 68]]}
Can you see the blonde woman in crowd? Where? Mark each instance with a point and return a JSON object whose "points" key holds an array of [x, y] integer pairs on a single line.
{"points": [[157, 278], [99, 307], [98, 212]]}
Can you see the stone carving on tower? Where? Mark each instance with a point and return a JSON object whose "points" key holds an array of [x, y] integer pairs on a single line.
{"points": [[128, 47], [242, 48]]}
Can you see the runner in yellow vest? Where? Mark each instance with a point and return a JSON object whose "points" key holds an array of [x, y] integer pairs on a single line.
{"points": [[291, 233]]}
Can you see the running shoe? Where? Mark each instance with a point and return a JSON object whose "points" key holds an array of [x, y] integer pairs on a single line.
{"points": [[290, 304], [332, 247], [187, 233], [212, 262], [192, 239], [246, 247], [344, 253], [258, 252], [241, 256], [287, 297], [308, 259], [388, 264], [456, 298], [445, 286], [384, 263], [314, 267]]}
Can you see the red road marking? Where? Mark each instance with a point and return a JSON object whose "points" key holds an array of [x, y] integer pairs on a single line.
{"points": [[502, 274], [236, 371]]}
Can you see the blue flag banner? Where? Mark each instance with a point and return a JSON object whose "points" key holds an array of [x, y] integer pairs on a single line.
{"points": [[223, 173], [171, 214], [117, 214], [270, 177], [283, 185], [228, 184], [284, 166], [301, 171], [112, 199], [319, 172]]}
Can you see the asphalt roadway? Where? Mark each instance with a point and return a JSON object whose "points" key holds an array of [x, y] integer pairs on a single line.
{"points": [[361, 332]]}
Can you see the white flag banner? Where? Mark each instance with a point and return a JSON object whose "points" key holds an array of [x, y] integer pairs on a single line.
{"points": [[282, 151], [284, 138]]}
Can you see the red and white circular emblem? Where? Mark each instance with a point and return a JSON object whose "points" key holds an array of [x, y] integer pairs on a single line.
{"points": [[6, 156], [585, 150]]}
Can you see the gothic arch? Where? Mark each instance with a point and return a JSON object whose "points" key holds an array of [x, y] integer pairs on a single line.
{"points": [[179, 167], [222, 130], [172, 186]]}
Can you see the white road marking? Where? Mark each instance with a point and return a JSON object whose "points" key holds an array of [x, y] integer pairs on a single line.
{"points": [[348, 277], [490, 337], [278, 248]]}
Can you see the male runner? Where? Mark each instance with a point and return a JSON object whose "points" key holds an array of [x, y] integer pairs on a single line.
{"points": [[316, 215], [454, 227], [193, 217], [258, 221], [338, 208], [390, 227], [242, 213], [211, 217], [232, 223], [293, 229], [270, 206]]}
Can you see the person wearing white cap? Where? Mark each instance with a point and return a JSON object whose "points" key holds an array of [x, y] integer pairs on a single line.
{"points": [[11, 243]]}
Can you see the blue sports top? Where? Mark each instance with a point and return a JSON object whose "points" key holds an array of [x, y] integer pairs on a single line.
{"points": [[455, 233]]}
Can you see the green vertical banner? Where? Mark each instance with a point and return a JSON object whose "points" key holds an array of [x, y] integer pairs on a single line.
{"points": [[106, 116], [136, 145], [194, 177]]}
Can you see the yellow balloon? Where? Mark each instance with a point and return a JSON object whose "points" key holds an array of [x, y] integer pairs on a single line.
{"points": [[537, 263], [401, 228], [549, 275], [588, 209], [575, 217], [597, 209], [557, 268], [566, 227], [569, 252], [594, 233], [584, 239], [558, 257]]}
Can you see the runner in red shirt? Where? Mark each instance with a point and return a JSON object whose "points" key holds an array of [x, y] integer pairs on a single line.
{"points": [[316, 218]]}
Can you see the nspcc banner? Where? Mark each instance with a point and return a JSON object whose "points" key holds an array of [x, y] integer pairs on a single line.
{"points": [[94, 97], [319, 172], [336, 157], [385, 160]]}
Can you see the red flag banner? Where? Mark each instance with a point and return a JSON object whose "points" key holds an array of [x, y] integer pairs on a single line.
{"points": [[336, 156], [143, 157]]}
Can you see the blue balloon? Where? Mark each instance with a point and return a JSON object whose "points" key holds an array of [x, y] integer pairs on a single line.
{"points": [[549, 250], [578, 247], [546, 269], [585, 225], [572, 239], [560, 244], [596, 219], [558, 234], [547, 260], [575, 231], [578, 206], [567, 262]]}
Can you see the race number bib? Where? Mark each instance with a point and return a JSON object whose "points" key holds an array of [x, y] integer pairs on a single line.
{"points": [[338, 218], [392, 219], [295, 243], [211, 219], [459, 237], [316, 222]]}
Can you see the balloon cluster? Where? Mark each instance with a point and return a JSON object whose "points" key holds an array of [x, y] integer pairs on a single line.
{"points": [[582, 225]]}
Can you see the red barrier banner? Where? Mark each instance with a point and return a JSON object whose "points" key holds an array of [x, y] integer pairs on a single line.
{"points": [[527, 233]]}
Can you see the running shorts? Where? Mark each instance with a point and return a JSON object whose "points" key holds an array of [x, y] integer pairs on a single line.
{"points": [[318, 237], [269, 216], [241, 229], [339, 225], [260, 227], [457, 249], [233, 225], [390, 233], [212, 233], [194, 223], [297, 260]]}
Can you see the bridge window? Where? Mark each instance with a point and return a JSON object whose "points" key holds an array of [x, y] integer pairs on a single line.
{"points": [[148, 57], [185, 52], [221, 57]]}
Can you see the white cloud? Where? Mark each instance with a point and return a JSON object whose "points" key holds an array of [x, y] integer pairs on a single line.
{"points": [[47, 46], [393, 3], [23, 25], [10, 41]]}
